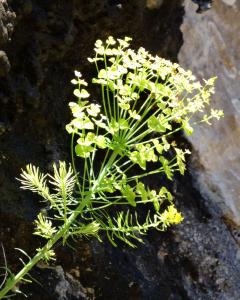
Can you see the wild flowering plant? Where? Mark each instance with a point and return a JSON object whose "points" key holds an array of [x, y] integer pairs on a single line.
{"points": [[117, 141]]}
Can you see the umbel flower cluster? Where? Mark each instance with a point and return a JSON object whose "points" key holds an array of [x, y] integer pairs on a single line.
{"points": [[117, 142]]}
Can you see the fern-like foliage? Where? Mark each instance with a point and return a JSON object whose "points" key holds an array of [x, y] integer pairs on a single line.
{"points": [[35, 181], [56, 189], [125, 226], [63, 180]]}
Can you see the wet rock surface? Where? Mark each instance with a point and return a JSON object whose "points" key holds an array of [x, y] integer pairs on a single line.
{"points": [[44, 42]]}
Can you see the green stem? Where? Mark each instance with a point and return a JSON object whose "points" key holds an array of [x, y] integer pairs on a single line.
{"points": [[73, 161], [11, 283]]}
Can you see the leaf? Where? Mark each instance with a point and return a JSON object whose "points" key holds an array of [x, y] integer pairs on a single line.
{"points": [[101, 142], [123, 124], [90, 138], [107, 184], [167, 111], [112, 86], [168, 172], [167, 169], [93, 110], [48, 255], [147, 152], [84, 123], [140, 189], [44, 227], [77, 110], [161, 104], [74, 81], [101, 124], [137, 158], [155, 199], [166, 145], [102, 74], [165, 193], [63, 179], [158, 146], [99, 81], [85, 229], [180, 160], [83, 151], [32, 179], [124, 105], [155, 125], [187, 127], [81, 94], [134, 115], [140, 80], [129, 194], [150, 155], [113, 126]]}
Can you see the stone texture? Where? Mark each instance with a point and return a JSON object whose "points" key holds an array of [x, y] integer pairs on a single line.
{"points": [[212, 48], [7, 17]]}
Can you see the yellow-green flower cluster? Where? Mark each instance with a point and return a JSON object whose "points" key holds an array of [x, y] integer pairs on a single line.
{"points": [[145, 99], [171, 216]]}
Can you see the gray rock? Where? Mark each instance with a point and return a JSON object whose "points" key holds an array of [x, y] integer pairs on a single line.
{"points": [[67, 287], [7, 19], [211, 48], [4, 64]]}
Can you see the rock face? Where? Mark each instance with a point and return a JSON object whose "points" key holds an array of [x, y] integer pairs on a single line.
{"points": [[41, 43], [7, 17], [211, 48]]}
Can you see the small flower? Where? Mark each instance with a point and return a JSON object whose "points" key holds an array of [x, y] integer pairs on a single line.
{"points": [[78, 74], [98, 43], [110, 41]]}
